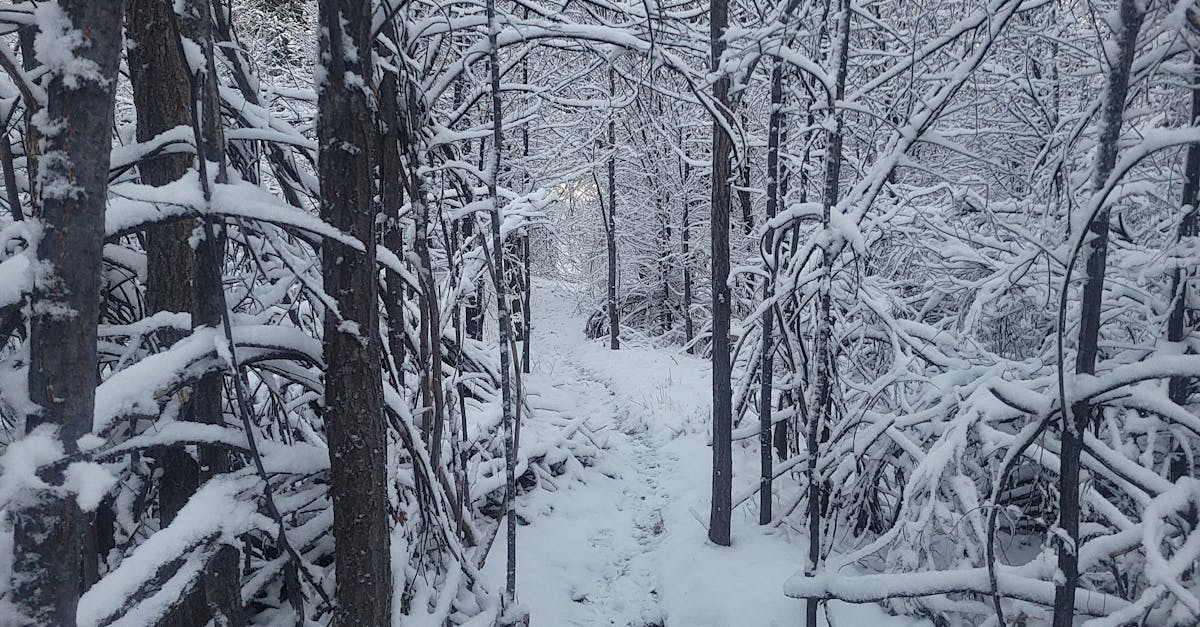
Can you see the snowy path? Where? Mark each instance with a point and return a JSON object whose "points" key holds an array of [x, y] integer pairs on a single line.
{"points": [[621, 542]]}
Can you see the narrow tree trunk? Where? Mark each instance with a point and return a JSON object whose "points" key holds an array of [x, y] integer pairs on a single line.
{"points": [[823, 406], [767, 365], [1076, 422], [744, 190], [722, 471], [12, 194], [685, 235], [526, 305], [431, 318], [208, 296], [353, 379], [162, 96], [505, 316], [48, 528], [527, 294], [1182, 278], [391, 196], [32, 137], [664, 261], [614, 321]]}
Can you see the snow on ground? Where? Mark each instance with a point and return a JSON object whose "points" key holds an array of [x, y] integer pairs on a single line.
{"points": [[625, 544]]}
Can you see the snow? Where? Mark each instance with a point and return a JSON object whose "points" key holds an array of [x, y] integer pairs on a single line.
{"points": [[90, 482], [214, 514], [624, 542], [22, 460], [57, 43]]}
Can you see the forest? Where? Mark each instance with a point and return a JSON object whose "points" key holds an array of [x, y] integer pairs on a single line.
{"points": [[653, 313]]}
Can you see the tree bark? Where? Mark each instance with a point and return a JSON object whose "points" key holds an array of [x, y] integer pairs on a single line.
{"points": [[767, 365], [722, 389], [353, 378], [1076, 421], [614, 316], [48, 528], [1182, 285], [162, 97], [824, 353], [685, 245], [504, 323]]}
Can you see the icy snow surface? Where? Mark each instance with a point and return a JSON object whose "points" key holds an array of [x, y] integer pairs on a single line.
{"points": [[626, 546]]}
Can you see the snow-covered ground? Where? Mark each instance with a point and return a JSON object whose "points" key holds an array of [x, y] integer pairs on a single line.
{"points": [[625, 543]]}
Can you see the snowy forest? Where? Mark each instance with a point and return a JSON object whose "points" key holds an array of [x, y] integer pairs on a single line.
{"points": [[648, 313]]}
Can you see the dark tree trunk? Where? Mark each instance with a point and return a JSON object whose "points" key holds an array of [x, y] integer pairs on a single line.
{"points": [[504, 323], [527, 323], [32, 137], [744, 191], [664, 262], [208, 295], [722, 472], [820, 420], [162, 96], [12, 195], [1075, 422], [1182, 279], [48, 528], [767, 365], [614, 316], [353, 378], [431, 318], [685, 246], [391, 196]]}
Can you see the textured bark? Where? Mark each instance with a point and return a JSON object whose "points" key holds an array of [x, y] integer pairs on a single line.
{"points": [[527, 269], [48, 528], [391, 196], [1182, 279], [504, 315], [722, 472], [208, 293], [32, 137], [610, 234], [1076, 421], [161, 95], [164, 90], [11, 193], [433, 394], [353, 378], [744, 200], [820, 421], [685, 249], [526, 306], [767, 364]]}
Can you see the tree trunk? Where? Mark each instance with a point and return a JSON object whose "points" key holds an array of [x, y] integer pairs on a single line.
{"points": [[32, 137], [353, 378], [1182, 278], [767, 365], [614, 321], [722, 471], [685, 236], [162, 96], [48, 528], [391, 196], [505, 318], [819, 422], [208, 296], [1075, 423]]}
